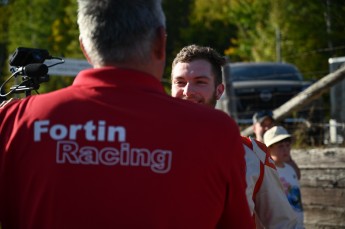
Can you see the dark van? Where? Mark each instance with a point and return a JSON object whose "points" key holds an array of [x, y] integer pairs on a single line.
{"points": [[258, 86]]}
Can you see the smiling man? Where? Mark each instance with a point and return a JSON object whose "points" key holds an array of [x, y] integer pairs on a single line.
{"points": [[197, 77], [193, 76]]}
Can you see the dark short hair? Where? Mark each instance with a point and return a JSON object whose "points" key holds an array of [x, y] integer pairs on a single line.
{"points": [[195, 52], [261, 115]]}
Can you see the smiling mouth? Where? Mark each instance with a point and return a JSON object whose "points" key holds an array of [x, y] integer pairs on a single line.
{"points": [[193, 100]]}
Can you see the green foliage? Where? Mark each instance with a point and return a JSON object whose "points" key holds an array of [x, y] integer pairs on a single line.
{"points": [[176, 13], [4, 27], [250, 18], [31, 25], [312, 36], [209, 26], [46, 24], [245, 30]]}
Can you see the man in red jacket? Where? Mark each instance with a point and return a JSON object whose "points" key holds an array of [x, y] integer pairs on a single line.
{"points": [[113, 150]]}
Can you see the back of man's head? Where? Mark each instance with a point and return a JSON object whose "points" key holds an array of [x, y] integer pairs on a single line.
{"points": [[117, 31]]}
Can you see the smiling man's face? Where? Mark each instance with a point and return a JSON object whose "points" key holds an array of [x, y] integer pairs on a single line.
{"points": [[195, 81]]}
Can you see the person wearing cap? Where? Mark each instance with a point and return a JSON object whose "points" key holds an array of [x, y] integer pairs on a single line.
{"points": [[262, 121], [278, 141], [197, 77]]}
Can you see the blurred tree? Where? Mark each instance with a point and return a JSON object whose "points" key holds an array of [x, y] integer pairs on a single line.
{"points": [[303, 32], [176, 13], [4, 14], [4, 27], [47, 25], [250, 17], [210, 26], [245, 30], [64, 38], [30, 25], [308, 32]]}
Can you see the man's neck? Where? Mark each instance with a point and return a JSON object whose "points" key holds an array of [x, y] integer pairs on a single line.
{"points": [[147, 68]]}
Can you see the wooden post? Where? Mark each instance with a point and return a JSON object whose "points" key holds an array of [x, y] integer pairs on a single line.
{"points": [[229, 102], [322, 186]]}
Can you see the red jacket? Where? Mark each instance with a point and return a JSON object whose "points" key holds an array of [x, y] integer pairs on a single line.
{"points": [[114, 151]]}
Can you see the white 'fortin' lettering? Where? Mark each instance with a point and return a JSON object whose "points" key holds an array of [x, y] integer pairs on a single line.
{"points": [[91, 131]]}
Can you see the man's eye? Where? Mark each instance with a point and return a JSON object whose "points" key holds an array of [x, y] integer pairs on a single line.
{"points": [[180, 83], [201, 82]]}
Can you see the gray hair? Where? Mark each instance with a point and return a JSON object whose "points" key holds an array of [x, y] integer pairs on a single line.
{"points": [[119, 31]]}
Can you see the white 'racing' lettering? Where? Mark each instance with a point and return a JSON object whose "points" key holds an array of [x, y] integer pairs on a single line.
{"points": [[69, 152]]}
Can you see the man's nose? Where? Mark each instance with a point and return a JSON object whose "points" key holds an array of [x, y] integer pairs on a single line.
{"points": [[188, 89]]}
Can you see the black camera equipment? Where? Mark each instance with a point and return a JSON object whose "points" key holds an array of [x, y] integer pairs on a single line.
{"points": [[24, 56], [28, 63]]}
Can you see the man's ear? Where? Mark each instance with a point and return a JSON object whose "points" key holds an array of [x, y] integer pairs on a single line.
{"points": [[160, 43], [83, 50], [219, 90]]}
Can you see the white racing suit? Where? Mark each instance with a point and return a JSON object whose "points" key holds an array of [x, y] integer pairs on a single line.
{"points": [[266, 198]]}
